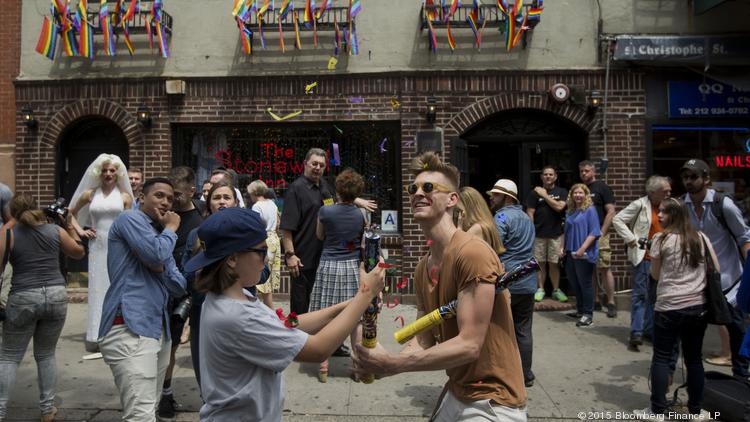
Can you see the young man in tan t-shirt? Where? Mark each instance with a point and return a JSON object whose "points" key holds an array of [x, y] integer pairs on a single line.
{"points": [[478, 348]]}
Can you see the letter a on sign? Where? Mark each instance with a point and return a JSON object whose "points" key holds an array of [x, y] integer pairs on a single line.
{"points": [[389, 220]]}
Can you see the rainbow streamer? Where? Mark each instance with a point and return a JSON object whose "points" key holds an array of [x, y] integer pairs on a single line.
{"points": [[62, 16], [354, 49], [267, 5], [297, 42], [521, 30], [47, 43], [260, 33], [475, 19], [105, 23], [130, 12], [336, 37], [451, 41], [124, 23], [86, 32], [431, 36]]}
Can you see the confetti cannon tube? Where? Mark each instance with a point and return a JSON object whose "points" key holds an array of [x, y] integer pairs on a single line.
{"points": [[448, 310], [370, 317]]}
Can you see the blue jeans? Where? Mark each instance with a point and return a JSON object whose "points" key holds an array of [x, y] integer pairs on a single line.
{"points": [[522, 309], [580, 274], [687, 325], [641, 308], [38, 313]]}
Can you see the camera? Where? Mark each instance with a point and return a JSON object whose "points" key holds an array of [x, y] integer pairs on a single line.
{"points": [[182, 310], [57, 210], [644, 243]]}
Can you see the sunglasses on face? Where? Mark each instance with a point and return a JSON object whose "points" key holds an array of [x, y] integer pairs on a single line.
{"points": [[426, 187], [262, 252]]}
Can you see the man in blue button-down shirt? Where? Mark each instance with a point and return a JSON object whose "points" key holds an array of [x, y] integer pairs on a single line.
{"points": [[517, 234], [133, 335], [731, 243]]}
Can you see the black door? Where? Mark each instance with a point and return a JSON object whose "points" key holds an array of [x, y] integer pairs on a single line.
{"points": [[516, 144]]}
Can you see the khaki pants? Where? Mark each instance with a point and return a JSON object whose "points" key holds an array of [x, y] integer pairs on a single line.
{"points": [[453, 410], [138, 365]]}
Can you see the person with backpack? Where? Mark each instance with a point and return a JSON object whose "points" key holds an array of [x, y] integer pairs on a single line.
{"points": [[719, 218]]}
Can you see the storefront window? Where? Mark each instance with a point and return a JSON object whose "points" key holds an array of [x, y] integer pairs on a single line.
{"points": [[275, 153], [725, 149]]}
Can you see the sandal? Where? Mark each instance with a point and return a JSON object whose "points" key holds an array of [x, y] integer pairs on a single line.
{"points": [[719, 361]]}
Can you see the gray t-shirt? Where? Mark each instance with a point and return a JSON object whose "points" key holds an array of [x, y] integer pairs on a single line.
{"points": [[5, 196], [244, 348], [35, 257], [344, 225]]}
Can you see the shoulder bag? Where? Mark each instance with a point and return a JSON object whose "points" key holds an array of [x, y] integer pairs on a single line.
{"points": [[717, 308], [6, 257]]}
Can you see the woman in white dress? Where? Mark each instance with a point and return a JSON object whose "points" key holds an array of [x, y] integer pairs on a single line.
{"points": [[104, 192]]}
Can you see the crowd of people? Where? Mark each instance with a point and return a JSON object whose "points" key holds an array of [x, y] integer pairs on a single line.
{"points": [[163, 256]]}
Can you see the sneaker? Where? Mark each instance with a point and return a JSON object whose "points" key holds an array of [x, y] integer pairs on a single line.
{"points": [[539, 295], [574, 315], [635, 340], [167, 408], [647, 414], [529, 382], [585, 321], [50, 416], [611, 310], [559, 295]]}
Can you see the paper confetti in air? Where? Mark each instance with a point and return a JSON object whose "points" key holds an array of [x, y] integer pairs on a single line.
{"points": [[338, 129], [382, 145], [332, 62], [395, 104], [403, 283], [409, 143], [280, 118], [429, 242], [309, 88], [388, 302], [385, 265], [356, 100]]}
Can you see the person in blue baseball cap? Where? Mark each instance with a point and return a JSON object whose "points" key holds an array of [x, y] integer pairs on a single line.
{"points": [[244, 345]]}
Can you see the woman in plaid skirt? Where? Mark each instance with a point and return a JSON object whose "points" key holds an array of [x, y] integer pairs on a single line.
{"points": [[340, 227]]}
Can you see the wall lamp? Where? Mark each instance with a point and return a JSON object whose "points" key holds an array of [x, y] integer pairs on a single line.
{"points": [[144, 116], [431, 114], [595, 100], [27, 114]]}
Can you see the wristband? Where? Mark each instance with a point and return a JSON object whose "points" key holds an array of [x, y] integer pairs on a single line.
{"points": [[288, 254]]}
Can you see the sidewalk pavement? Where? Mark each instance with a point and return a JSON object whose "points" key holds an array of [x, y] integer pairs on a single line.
{"points": [[577, 370]]}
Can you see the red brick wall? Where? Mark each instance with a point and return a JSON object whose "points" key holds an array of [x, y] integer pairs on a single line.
{"points": [[10, 61], [464, 99]]}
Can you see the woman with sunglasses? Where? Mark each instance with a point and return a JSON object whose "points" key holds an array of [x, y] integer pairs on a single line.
{"points": [[678, 261], [244, 344], [340, 227]]}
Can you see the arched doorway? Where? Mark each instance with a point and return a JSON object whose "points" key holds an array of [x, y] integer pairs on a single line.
{"points": [[515, 144], [80, 143]]}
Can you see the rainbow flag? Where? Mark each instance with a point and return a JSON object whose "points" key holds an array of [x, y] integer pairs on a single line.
{"points": [[61, 14], [246, 36], [105, 23], [130, 12], [535, 13], [451, 41], [324, 5], [47, 43], [287, 6], [86, 31], [503, 6], [308, 18], [521, 30], [353, 43], [355, 6], [267, 5]]}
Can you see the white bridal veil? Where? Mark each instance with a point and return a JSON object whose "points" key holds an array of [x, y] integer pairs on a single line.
{"points": [[91, 180]]}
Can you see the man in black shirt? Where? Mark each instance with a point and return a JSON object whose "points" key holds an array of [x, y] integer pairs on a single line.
{"points": [[302, 248], [604, 202], [545, 205], [191, 216]]}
